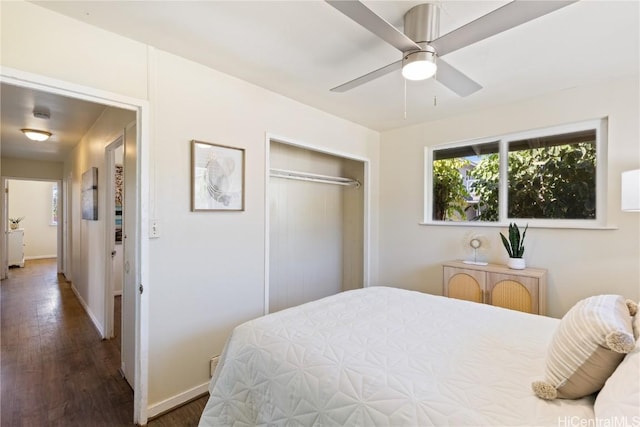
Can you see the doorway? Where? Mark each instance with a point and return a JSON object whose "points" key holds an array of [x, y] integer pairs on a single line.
{"points": [[78, 258], [32, 207]]}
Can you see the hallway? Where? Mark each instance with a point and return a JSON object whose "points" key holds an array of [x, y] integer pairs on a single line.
{"points": [[55, 368], [56, 371]]}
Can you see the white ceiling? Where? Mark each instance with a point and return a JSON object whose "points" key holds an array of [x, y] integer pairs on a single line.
{"points": [[69, 120], [301, 49]]}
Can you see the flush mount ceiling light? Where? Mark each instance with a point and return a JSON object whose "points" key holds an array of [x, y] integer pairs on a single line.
{"points": [[36, 135]]}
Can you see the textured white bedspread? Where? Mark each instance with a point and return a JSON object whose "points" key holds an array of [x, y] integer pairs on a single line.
{"points": [[387, 357]]}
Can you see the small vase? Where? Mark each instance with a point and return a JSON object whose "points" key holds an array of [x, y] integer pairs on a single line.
{"points": [[516, 263], [13, 226]]}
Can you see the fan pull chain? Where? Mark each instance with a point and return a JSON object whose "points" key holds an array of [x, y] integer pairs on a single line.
{"points": [[405, 98], [435, 98]]}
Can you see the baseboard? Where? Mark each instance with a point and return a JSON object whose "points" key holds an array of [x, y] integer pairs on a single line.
{"points": [[40, 257], [167, 405], [84, 305]]}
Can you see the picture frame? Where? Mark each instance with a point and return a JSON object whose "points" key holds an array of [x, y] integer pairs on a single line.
{"points": [[217, 177], [89, 194]]}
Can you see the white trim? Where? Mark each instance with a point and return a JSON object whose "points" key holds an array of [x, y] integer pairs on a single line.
{"points": [[59, 87], [40, 257], [267, 224], [177, 400], [144, 130], [366, 219], [141, 106], [4, 262], [117, 293], [502, 225], [64, 214], [109, 223], [86, 308]]}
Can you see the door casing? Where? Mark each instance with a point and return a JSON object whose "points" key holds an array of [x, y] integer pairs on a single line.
{"points": [[46, 84]]}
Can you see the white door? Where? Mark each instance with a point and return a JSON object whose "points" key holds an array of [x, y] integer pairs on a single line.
{"points": [[131, 282], [66, 241], [5, 231]]}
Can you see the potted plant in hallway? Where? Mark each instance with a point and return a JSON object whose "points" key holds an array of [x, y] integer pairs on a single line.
{"points": [[515, 246], [14, 223]]}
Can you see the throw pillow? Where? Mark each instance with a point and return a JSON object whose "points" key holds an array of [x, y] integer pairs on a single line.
{"points": [[589, 343]]}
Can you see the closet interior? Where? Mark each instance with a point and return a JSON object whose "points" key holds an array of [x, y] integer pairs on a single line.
{"points": [[316, 225]]}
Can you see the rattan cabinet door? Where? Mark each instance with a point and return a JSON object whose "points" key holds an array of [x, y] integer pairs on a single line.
{"points": [[464, 284], [514, 292]]}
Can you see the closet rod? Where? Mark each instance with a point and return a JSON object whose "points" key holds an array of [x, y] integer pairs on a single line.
{"points": [[305, 176]]}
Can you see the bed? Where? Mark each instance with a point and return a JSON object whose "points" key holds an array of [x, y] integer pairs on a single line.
{"points": [[388, 357]]}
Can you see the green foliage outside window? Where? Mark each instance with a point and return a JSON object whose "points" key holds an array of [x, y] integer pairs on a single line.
{"points": [[557, 182], [487, 187], [449, 192]]}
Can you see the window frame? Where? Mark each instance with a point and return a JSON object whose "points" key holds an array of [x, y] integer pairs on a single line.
{"points": [[600, 126]]}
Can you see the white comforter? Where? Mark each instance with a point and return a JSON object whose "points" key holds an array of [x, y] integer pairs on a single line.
{"points": [[387, 357]]}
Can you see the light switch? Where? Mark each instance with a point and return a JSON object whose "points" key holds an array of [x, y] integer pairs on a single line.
{"points": [[154, 231]]}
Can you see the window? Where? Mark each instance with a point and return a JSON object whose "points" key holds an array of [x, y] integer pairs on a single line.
{"points": [[549, 176]]}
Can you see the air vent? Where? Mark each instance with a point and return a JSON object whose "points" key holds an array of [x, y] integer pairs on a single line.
{"points": [[41, 113]]}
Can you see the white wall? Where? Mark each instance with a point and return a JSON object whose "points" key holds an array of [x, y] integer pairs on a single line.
{"points": [[580, 262], [32, 200], [208, 268], [31, 169], [198, 290], [66, 49]]}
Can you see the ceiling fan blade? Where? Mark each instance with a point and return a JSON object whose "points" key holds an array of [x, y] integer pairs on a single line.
{"points": [[368, 77], [506, 17], [455, 80], [372, 22]]}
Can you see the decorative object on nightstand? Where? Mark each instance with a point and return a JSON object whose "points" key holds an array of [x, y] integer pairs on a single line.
{"points": [[515, 246], [630, 197], [14, 223], [523, 290], [476, 244]]}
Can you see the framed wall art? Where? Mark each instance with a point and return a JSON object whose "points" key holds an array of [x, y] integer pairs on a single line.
{"points": [[217, 177], [119, 180], [89, 194]]}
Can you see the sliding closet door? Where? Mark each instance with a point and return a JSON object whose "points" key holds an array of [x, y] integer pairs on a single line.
{"points": [[306, 242]]}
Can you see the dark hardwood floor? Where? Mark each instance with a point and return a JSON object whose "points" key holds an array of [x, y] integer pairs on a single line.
{"points": [[55, 369]]}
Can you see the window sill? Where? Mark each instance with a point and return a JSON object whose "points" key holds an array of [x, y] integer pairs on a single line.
{"points": [[565, 226]]}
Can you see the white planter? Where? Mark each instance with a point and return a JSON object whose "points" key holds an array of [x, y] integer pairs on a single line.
{"points": [[516, 264]]}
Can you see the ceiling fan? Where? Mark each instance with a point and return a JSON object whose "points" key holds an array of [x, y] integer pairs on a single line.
{"points": [[422, 47]]}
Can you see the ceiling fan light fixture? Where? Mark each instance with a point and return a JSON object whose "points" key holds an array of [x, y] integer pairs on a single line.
{"points": [[36, 135], [419, 65]]}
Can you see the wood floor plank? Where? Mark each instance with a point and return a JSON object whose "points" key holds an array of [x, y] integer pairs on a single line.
{"points": [[55, 370]]}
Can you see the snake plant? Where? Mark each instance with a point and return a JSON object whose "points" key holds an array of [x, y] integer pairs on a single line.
{"points": [[515, 244]]}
